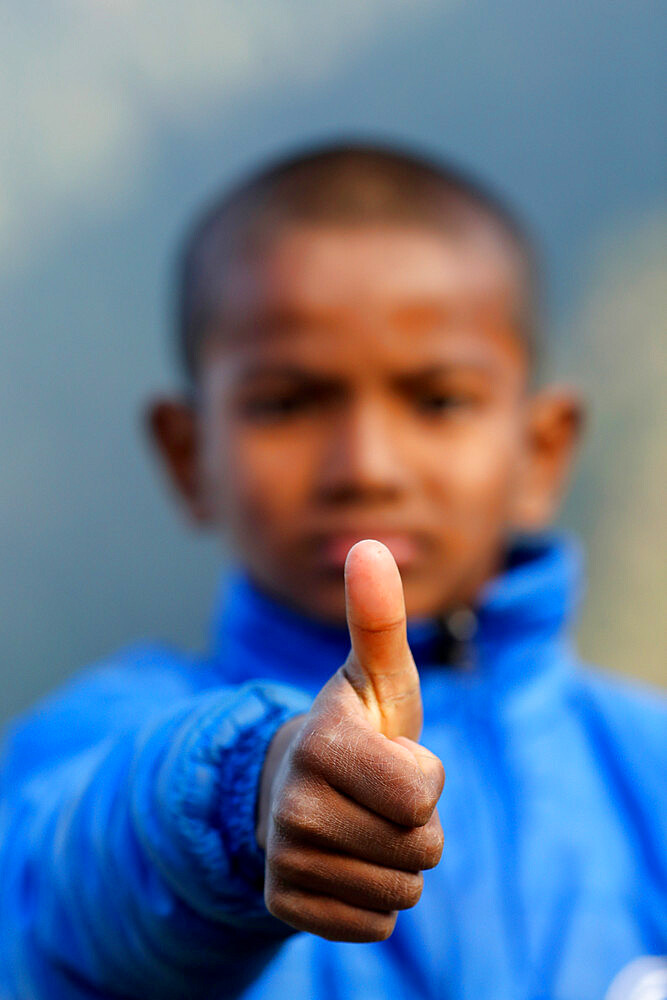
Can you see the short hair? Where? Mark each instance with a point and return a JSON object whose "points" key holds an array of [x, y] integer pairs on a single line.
{"points": [[341, 183]]}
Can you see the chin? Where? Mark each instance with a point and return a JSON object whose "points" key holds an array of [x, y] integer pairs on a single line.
{"points": [[326, 598], [327, 605]]}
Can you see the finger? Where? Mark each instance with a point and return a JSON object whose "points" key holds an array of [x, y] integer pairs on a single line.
{"points": [[380, 668], [369, 886], [429, 764], [329, 918], [336, 823], [396, 779]]}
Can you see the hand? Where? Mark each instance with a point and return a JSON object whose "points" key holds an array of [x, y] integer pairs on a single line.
{"points": [[347, 800]]}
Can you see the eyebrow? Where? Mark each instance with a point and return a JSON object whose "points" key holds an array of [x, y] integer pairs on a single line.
{"points": [[298, 373], [445, 369], [286, 319], [255, 371]]}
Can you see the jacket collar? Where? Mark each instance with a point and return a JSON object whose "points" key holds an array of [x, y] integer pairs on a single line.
{"points": [[517, 629]]}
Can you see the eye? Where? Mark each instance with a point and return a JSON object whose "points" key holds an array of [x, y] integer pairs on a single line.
{"points": [[443, 402], [278, 405]]}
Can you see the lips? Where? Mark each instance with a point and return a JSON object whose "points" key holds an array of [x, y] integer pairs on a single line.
{"points": [[332, 549]]}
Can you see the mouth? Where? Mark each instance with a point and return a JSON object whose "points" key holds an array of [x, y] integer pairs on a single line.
{"points": [[331, 548]]}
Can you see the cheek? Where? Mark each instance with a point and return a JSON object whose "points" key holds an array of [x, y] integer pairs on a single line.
{"points": [[478, 471], [257, 480]]}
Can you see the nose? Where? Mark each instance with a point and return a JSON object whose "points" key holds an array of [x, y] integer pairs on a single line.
{"points": [[363, 459]]}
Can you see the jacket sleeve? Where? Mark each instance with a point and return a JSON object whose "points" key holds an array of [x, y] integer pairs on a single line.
{"points": [[129, 867]]}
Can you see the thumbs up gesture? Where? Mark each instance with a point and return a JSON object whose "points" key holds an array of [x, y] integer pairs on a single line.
{"points": [[347, 799]]}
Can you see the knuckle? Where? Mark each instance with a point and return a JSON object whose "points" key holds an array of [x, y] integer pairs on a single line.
{"points": [[274, 900], [294, 813], [412, 890], [315, 749], [401, 795], [286, 906], [404, 892], [433, 840], [422, 808], [428, 793], [307, 749], [411, 794], [282, 815], [282, 864]]}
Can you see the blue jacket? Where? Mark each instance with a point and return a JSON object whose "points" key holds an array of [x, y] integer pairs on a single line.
{"points": [[129, 868]]}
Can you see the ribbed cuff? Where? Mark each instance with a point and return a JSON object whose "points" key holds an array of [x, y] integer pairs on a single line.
{"points": [[196, 796], [241, 773]]}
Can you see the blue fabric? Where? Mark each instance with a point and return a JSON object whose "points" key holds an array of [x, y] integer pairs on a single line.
{"points": [[129, 868]]}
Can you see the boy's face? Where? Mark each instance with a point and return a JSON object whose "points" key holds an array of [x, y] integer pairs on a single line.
{"points": [[369, 382]]}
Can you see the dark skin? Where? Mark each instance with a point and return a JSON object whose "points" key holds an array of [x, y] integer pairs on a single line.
{"points": [[365, 382]]}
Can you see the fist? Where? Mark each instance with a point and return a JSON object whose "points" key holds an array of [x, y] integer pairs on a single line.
{"points": [[348, 797]]}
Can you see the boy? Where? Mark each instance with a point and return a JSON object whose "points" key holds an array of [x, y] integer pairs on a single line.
{"points": [[358, 330]]}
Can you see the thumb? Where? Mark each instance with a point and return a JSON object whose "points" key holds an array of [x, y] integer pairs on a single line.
{"points": [[380, 667]]}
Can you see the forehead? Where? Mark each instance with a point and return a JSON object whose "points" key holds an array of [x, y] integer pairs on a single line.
{"points": [[371, 294], [314, 267]]}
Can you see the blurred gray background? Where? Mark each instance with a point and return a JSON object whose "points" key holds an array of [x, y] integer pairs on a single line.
{"points": [[119, 118]]}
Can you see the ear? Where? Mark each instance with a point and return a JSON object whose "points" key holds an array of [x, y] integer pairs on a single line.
{"points": [[553, 428], [173, 431]]}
